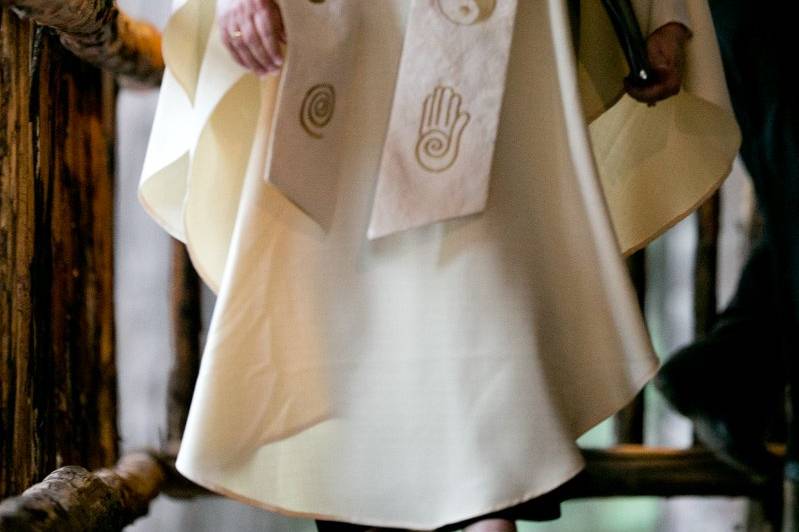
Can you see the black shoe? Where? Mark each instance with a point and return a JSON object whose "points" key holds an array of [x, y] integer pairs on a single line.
{"points": [[731, 384]]}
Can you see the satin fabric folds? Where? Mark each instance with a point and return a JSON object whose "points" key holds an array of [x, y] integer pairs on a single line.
{"points": [[445, 371]]}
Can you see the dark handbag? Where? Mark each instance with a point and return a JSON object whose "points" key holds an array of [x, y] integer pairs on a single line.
{"points": [[632, 40]]}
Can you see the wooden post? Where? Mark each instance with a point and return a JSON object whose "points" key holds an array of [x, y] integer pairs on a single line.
{"points": [[186, 328], [629, 423], [99, 33], [705, 279], [57, 370]]}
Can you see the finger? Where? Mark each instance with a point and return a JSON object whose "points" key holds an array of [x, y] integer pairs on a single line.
{"points": [[233, 37], [251, 48], [649, 94], [459, 127], [454, 107], [437, 97], [251, 42], [667, 83], [461, 123], [427, 112], [237, 41], [229, 40], [248, 60], [446, 106], [652, 93], [268, 39]]}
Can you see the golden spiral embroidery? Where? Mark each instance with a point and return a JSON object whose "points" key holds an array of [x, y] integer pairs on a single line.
{"points": [[467, 12], [441, 129], [318, 108], [432, 151]]}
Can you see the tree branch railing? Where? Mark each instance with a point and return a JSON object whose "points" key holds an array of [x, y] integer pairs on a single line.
{"points": [[99, 33], [73, 499]]}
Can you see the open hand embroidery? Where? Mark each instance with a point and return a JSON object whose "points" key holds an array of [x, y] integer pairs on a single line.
{"points": [[443, 124]]}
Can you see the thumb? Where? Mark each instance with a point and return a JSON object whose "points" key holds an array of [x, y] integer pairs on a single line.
{"points": [[461, 123]]}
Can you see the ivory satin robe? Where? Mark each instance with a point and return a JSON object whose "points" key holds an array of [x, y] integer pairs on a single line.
{"points": [[445, 371]]}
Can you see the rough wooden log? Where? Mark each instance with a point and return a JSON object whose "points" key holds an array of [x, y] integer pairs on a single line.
{"points": [[186, 328], [622, 471], [790, 517], [57, 368], [706, 270], [74, 499], [634, 470], [629, 423], [98, 32]]}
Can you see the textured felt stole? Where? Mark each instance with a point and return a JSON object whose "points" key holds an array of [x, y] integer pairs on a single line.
{"points": [[303, 158], [437, 156]]}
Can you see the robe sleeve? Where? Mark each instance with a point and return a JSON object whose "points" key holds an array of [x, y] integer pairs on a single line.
{"points": [[656, 164], [653, 14]]}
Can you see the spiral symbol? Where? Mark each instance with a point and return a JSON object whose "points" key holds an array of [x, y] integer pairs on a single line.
{"points": [[435, 151], [318, 108], [441, 129]]}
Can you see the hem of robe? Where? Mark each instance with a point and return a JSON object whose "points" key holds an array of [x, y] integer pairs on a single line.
{"points": [[370, 522], [199, 265], [154, 213], [714, 188], [219, 486]]}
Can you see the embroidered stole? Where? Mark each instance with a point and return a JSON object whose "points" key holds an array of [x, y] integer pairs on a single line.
{"points": [[437, 156], [303, 157]]}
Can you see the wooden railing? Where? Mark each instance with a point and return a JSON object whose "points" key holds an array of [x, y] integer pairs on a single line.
{"points": [[75, 499], [100, 34]]}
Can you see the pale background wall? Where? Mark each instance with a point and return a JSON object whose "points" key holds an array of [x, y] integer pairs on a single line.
{"points": [[145, 351]]}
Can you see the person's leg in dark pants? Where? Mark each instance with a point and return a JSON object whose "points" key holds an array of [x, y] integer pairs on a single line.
{"points": [[737, 372]]}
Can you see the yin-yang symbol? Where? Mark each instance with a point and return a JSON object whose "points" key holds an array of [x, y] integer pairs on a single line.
{"points": [[467, 12]]}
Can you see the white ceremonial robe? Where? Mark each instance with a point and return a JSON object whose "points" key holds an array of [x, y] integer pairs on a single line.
{"points": [[442, 372]]}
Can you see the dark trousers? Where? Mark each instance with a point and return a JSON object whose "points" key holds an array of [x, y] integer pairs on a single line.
{"points": [[759, 51], [759, 58]]}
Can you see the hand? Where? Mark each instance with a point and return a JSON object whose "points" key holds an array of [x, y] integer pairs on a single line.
{"points": [[443, 123], [666, 51], [252, 31]]}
